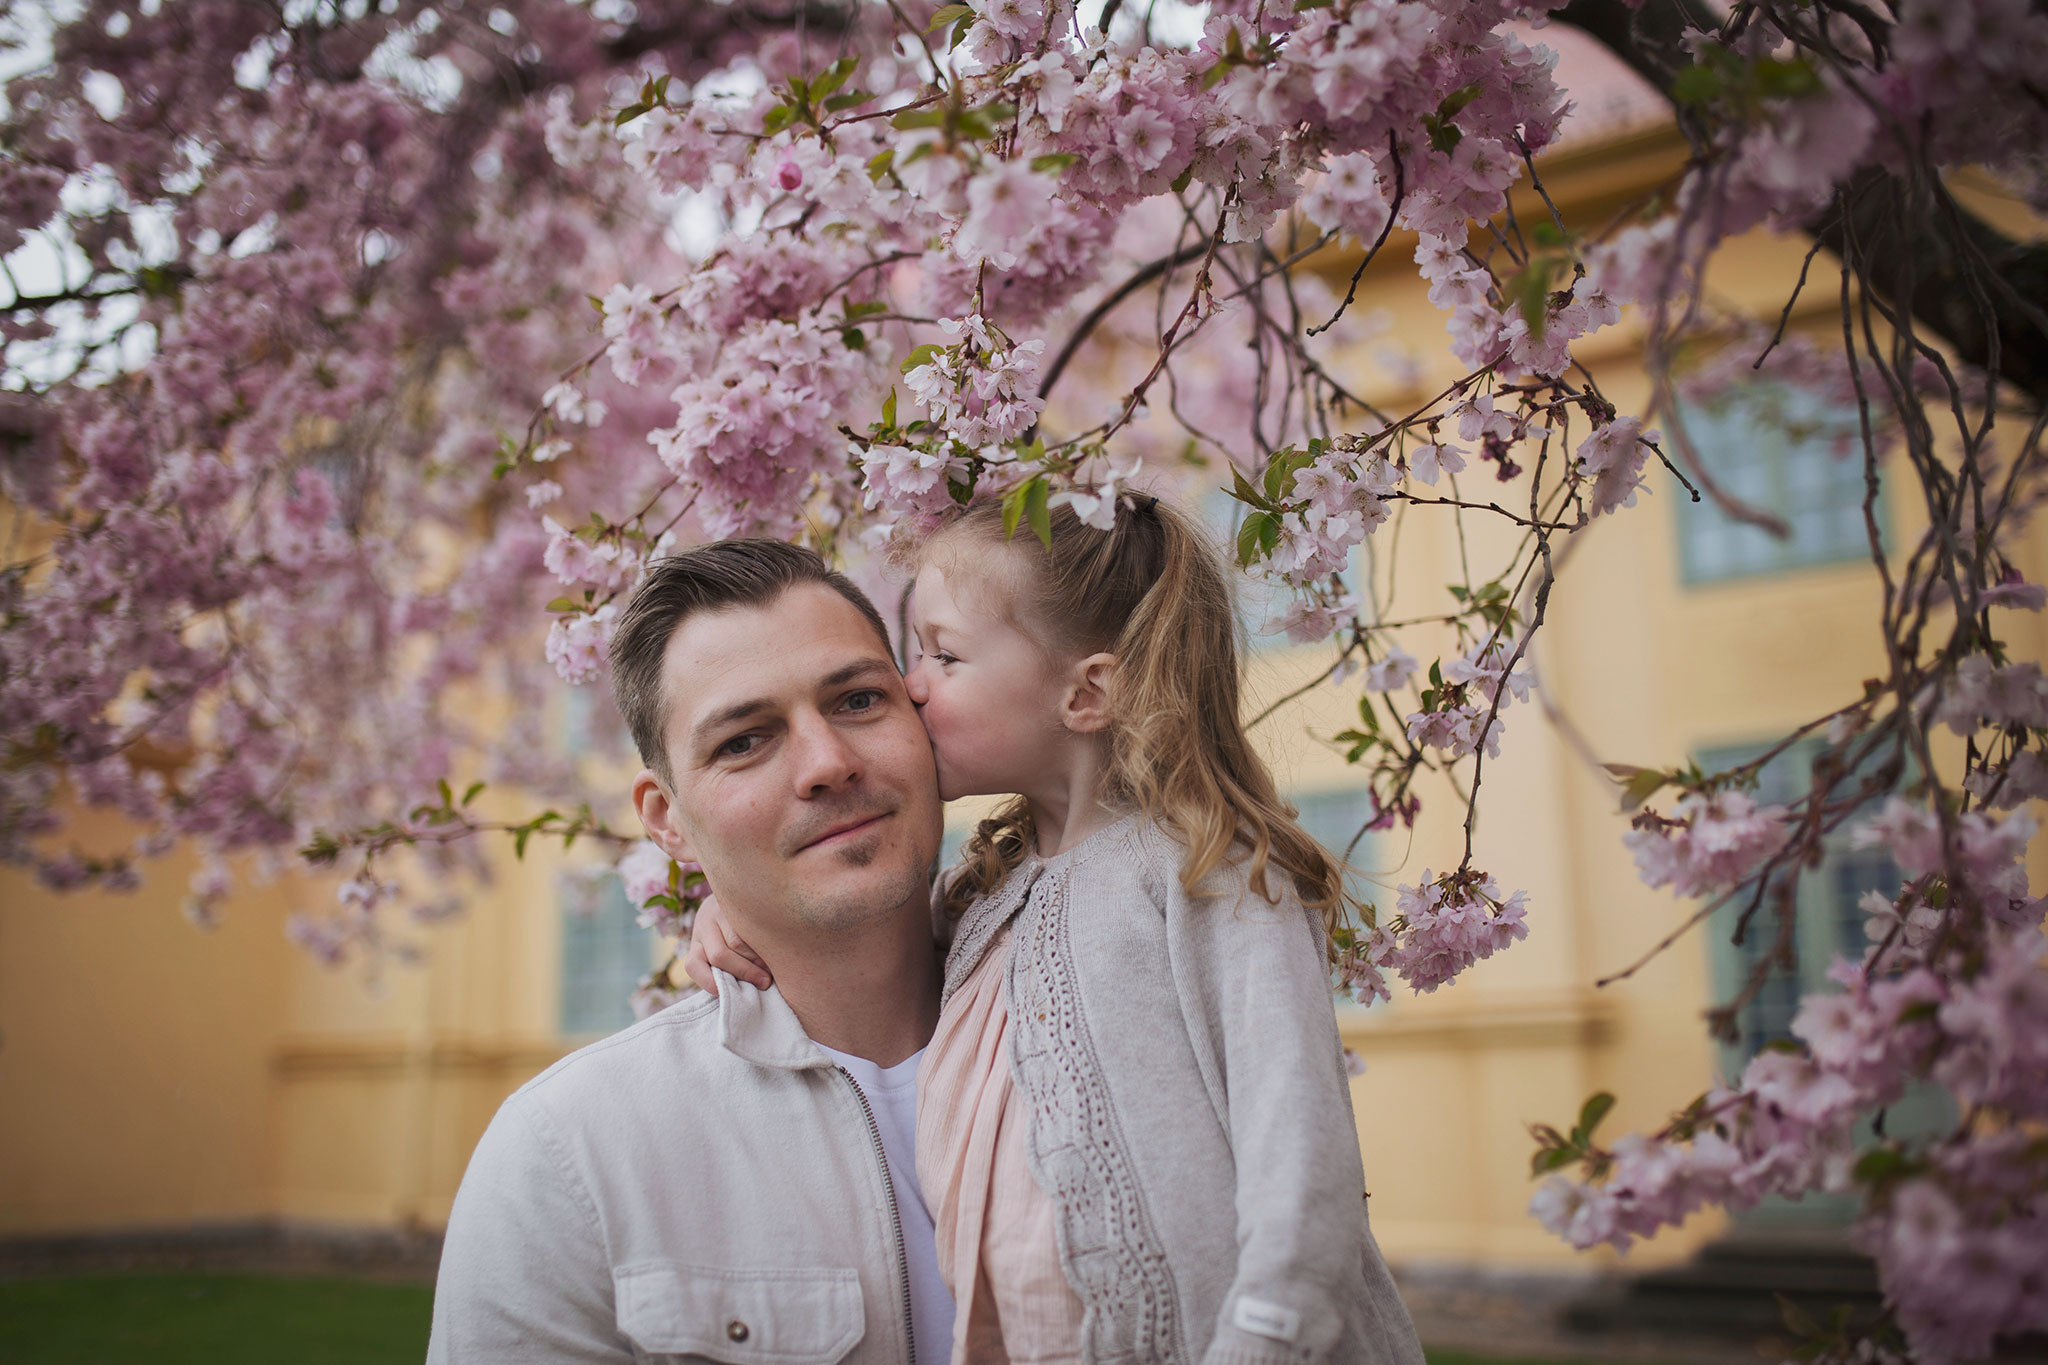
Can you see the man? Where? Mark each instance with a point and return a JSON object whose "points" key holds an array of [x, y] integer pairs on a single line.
{"points": [[733, 1177]]}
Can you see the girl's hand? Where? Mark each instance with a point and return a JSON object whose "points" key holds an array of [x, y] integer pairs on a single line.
{"points": [[714, 944]]}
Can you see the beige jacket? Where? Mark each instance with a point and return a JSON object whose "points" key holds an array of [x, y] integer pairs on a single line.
{"points": [[1190, 1115], [706, 1185]]}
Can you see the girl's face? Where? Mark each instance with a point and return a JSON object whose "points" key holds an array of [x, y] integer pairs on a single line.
{"points": [[988, 694]]}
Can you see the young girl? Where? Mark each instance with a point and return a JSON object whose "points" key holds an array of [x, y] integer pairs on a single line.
{"points": [[1134, 1129]]}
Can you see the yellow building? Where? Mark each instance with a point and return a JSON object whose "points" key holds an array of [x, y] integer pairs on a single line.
{"points": [[153, 1076]]}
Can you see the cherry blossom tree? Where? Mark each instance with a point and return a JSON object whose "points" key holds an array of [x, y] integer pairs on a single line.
{"points": [[347, 340]]}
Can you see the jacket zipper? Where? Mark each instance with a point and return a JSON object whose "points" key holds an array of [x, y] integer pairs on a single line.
{"points": [[895, 1215]]}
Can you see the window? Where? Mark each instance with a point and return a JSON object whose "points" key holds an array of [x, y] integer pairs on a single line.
{"points": [[1828, 923], [1773, 447], [605, 953], [1333, 819]]}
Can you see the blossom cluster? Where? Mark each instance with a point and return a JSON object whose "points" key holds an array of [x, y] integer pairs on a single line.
{"points": [[1956, 1219], [1447, 923]]}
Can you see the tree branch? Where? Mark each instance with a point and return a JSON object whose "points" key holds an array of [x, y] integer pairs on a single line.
{"points": [[1871, 212]]}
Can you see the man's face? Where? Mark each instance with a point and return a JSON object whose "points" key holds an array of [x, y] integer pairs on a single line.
{"points": [[803, 782]]}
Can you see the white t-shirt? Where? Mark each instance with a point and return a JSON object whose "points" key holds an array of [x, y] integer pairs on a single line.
{"points": [[892, 1094]]}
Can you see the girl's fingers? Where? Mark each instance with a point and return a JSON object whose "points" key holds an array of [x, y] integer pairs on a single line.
{"points": [[712, 944], [698, 965]]}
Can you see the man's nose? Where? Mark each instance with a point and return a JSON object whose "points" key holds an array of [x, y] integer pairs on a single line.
{"points": [[825, 757]]}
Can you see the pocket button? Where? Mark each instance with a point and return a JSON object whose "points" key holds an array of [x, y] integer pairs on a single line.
{"points": [[736, 1330]]}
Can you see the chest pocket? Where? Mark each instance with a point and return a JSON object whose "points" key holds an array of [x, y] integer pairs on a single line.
{"points": [[740, 1317]]}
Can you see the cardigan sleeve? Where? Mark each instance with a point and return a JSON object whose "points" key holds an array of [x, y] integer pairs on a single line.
{"points": [[524, 1273], [1256, 974]]}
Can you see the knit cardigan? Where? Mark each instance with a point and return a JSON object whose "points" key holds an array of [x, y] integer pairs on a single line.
{"points": [[1190, 1114]]}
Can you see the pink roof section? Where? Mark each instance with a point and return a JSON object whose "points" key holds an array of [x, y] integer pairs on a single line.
{"points": [[1609, 99]]}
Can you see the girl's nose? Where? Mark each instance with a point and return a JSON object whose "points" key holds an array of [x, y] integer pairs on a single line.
{"points": [[914, 683]]}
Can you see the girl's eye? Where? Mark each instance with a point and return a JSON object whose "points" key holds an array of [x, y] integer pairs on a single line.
{"points": [[944, 658]]}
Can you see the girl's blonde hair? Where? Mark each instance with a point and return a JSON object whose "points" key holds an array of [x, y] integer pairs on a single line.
{"points": [[1152, 593]]}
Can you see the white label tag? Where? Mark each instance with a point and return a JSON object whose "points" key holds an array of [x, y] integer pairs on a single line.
{"points": [[1264, 1319]]}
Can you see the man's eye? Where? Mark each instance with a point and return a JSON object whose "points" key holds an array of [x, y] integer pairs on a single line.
{"points": [[866, 700], [739, 746]]}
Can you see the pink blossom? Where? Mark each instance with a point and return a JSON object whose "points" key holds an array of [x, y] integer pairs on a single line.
{"points": [[1392, 672], [1447, 925], [577, 643], [605, 565], [1708, 844], [1612, 456]]}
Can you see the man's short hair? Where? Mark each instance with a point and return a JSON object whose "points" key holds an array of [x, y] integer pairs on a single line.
{"points": [[726, 573]]}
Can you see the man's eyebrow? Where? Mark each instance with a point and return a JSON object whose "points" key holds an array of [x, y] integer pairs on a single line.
{"points": [[738, 711], [718, 720], [862, 668]]}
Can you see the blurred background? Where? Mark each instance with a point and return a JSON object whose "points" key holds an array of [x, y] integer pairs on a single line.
{"points": [[181, 1111]]}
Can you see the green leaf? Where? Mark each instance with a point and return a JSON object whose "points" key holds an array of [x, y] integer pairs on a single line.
{"points": [[778, 118], [1052, 161], [1369, 714], [917, 118], [1551, 1159], [1443, 134], [519, 838], [889, 409], [1697, 84], [847, 99], [1185, 178], [856, 311], [469, 793], [1038, 510], [1013, 509], [854, 339], [447, 793], [947, 14], [565, 604], [1245, 493], [879, 164], [1454, 102], [1436, 674], [920, 356], [1260, 531], [1530, 289], [833, 77], [1880, 1165], [629, 113], [1641, 788], [1783, 78], [1595, 1109]]}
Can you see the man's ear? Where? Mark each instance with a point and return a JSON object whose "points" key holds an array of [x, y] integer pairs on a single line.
{"points": [[658, 814], [1086, 708]]}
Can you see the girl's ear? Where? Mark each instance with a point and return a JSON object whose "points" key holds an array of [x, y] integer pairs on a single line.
{"points": [[1085, 709]]}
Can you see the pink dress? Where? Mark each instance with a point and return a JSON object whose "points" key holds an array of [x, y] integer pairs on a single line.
{"points": [[998, 1252]]}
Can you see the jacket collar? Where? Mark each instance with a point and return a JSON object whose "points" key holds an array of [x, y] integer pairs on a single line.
{"points": [[759, 1026], [985, 919]]}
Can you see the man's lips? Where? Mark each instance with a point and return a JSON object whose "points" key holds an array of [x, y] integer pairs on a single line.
{"points": [[845, 829]]}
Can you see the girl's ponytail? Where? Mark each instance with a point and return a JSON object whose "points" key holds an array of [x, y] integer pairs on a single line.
{"points": [[1153, 593]]}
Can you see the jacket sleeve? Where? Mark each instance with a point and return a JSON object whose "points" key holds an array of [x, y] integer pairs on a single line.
{"points": [[524, 1275], [1256, 984]]}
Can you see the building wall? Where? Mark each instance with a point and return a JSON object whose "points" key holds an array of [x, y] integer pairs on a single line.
{"points": [[151, 1075]]}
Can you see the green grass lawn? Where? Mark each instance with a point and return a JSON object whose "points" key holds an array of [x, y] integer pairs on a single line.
{"points": [[214, 1319], [240, 1320]]}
